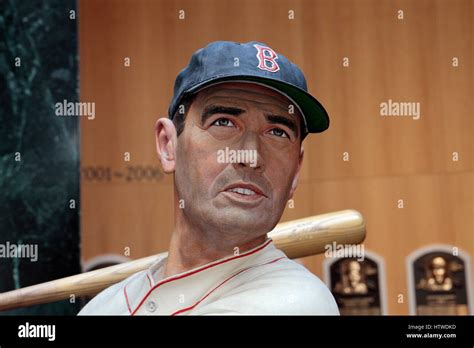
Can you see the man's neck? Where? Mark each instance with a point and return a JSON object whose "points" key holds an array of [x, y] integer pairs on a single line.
{"points": [[191, 248]]}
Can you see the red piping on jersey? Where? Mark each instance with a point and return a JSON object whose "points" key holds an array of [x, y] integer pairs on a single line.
{"points": [[126, 299], [225, 281], [197, 271]]}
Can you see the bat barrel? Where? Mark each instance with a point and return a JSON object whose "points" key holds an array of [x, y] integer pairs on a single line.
{"points": [[312, 235]]}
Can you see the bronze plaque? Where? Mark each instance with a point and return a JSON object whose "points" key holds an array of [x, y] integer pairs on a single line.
{"points": [[440, 284], [356, 286]]}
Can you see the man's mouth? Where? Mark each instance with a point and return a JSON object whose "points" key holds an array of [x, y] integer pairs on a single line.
{"points": [[244, 192], [245, 189]]}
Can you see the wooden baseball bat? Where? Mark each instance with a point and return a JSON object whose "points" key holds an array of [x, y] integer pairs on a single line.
{"points": [[297, 238]]}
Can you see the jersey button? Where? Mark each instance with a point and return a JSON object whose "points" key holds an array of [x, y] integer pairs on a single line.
{"points": [[151, 306]]}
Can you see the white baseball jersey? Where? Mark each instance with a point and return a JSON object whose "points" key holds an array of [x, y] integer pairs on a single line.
{"points": [[260, 281]]}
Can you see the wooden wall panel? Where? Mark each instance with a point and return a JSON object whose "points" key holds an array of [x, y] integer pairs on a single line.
{"points": [[391, 158]]}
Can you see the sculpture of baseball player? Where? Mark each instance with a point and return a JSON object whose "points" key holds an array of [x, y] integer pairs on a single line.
{"points": [[233, 142]]}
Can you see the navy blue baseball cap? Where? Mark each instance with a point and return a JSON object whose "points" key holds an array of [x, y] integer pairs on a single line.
{"points": [[253, 62]]}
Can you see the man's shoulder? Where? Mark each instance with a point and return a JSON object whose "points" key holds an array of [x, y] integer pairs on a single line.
{"points": [[286, 288], [287, 272], [112, 300], [298, 290]]}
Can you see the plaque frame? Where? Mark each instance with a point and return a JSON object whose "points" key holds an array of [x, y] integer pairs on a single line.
{"points": [[93, 262], [379, 260], [447, 248]]}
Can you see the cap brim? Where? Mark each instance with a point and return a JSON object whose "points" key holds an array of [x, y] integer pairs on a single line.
{"points": [[315, 116]]}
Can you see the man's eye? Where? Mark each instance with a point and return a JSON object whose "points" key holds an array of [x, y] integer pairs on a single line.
{"points": [[279, 132], [223, 122]]}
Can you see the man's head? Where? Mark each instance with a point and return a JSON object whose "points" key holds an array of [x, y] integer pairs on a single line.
{"points": [[205, 146], [439, 269]]}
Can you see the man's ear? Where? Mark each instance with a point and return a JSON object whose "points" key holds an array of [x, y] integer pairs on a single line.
{"points": [[166, 142], [297, 174]]}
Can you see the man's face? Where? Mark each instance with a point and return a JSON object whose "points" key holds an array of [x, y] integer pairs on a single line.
{"points": [[243, 200]]}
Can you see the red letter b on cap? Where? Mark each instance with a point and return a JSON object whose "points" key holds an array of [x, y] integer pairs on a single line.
{"points": [[267, 58]]}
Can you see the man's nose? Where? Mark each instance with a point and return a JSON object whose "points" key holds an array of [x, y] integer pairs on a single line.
{"points": [[250, 146]]}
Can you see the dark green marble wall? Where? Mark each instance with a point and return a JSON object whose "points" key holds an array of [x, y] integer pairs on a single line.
{"points": [[39, 151]]}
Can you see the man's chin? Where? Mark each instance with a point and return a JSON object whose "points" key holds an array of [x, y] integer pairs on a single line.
{"points": [[241, 220]]}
